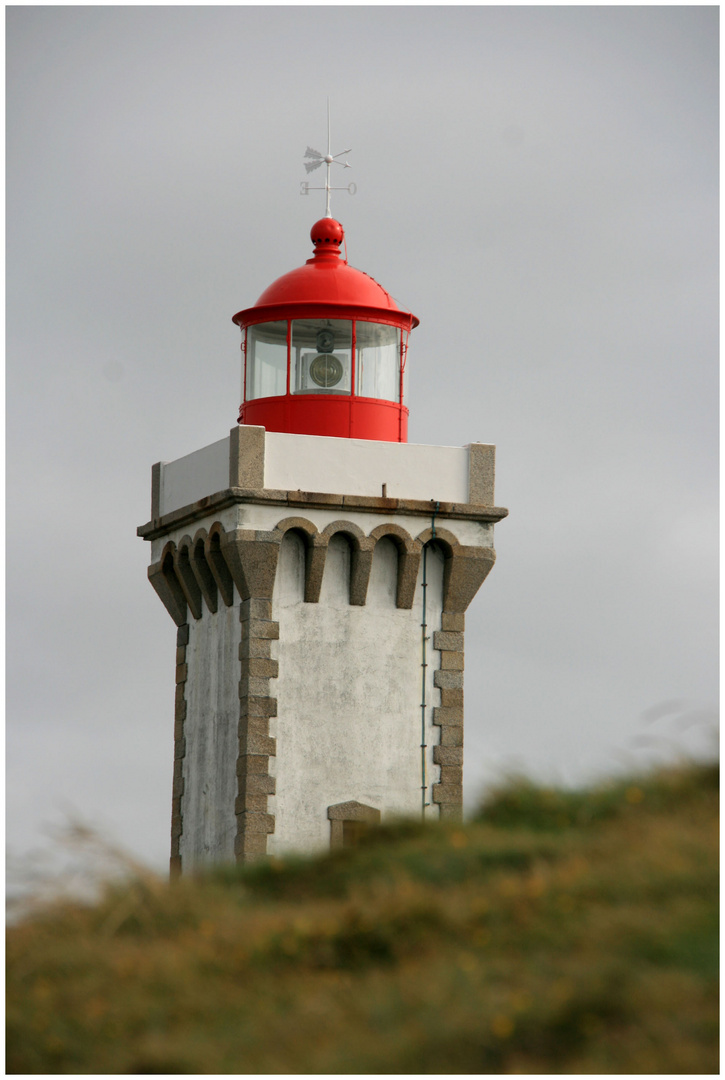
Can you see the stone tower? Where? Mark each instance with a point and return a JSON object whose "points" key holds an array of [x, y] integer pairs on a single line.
{"points": [[318, 569]]}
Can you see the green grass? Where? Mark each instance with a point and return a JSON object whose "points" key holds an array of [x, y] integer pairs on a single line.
{"points": [[558, 932]]}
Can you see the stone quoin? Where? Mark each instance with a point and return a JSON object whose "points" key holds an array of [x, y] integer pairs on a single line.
{"points": [[318, 569]]}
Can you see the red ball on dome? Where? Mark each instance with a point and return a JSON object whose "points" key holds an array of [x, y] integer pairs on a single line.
{"points": [[327, 231]]}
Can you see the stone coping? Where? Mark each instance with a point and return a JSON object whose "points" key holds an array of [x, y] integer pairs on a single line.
{"points": [[318, 500]]}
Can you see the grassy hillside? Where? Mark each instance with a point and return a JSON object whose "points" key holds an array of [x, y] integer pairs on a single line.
{"points": [[559, 932]]}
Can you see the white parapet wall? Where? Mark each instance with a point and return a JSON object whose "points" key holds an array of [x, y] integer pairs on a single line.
{"points": [[320, 464], [194, 476], [363, 466]]}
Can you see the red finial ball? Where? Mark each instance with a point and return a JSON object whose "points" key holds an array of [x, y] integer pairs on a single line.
{"points": [[327, 234]]}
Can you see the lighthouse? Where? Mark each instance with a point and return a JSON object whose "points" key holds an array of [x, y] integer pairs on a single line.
{"points": [[318, 568]]}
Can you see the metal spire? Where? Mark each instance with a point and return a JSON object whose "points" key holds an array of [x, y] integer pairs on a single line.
{"points": [[328, 159]]}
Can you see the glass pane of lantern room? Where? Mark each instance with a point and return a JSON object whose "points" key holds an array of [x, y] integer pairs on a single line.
{"points": [[377, 360], [321, 356], [266, 360]]}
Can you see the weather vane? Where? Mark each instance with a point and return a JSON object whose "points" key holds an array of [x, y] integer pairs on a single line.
{"points": [[328, 159]]}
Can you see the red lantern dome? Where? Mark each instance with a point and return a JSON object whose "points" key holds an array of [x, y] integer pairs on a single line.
{"points": [[324, 350]]}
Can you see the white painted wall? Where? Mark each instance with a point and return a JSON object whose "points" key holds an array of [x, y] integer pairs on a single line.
{"points": [[194, 476], [210, 730], [349, 696], [362, 466]]}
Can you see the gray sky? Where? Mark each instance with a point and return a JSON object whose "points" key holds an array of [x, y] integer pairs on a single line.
{"points": [[538, 185]]}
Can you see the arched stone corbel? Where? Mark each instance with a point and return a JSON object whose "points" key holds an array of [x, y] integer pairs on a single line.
{"points": [[217, 565], [163, 578], [408, 566], [464, 575], [189, 584], [360, 566], [300, 524], [202, 573], [444, 537], [251, 557], [315, 556], [448, 544], [465, 570], [408, 561], [361, 560], [315, 553]]}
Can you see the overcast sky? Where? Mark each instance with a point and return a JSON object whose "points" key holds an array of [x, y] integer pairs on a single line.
{"points": [[537, 184]]}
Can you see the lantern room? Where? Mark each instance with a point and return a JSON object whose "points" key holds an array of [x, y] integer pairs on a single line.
{"points": [[324, 350]]}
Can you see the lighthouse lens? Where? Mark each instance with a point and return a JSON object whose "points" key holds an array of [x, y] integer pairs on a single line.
{"points": [[326, 370], [321, 356]]}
